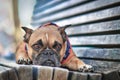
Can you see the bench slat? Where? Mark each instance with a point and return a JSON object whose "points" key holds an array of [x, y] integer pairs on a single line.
{"points": [[112, 53], [52, 9], [91, 17], [96, 40], [111, 75], [93, 6], [88, 18], [94, 28]]}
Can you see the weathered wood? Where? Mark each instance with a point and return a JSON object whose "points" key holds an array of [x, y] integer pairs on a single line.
{"points": [[97, 45], [6, 70], [101, 64], [60, 74], [110, 55], [100, 53], [110, 32], [40, 7], [2, 68], [91, 17], [111, 75], [45, 73], [102, 39], [92, 28], [94, 76], [86, 8], [81, 9], [57, 8], [24, 72], [4, 75], [8, 63], [78, 76], [13, 74], [99, 57]]}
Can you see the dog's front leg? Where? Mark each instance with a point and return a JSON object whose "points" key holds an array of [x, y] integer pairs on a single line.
{"points": [[22, 55], [76, 64]]}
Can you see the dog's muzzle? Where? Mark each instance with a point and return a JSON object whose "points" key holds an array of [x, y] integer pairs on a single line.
{"points": [[47, 58]]}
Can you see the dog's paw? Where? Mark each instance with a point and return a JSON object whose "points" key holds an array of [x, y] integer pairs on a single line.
{"points": [[24, 61], [86, 68]]}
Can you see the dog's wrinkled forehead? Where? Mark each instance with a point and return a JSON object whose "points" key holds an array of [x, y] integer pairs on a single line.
{"points": [[46, 34]]}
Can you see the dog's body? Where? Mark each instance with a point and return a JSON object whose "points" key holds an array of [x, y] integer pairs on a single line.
{"points": [[48, 46]]}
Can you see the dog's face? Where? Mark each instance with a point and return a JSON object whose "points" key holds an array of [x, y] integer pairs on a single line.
{"points": [[46, 45]]}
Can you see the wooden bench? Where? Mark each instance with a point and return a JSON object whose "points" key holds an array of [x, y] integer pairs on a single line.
{"points": [[11, 71], [94, 34], [95, 30]]}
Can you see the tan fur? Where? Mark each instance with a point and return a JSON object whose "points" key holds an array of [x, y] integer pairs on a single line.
{"points": [[21, 52]]}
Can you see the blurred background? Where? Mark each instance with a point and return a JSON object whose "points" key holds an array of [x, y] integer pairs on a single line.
{"points": [[94, 34], [13, 15]]}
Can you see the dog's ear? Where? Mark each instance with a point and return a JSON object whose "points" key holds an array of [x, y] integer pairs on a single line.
{"points": [[28, 32], [63, 33]]}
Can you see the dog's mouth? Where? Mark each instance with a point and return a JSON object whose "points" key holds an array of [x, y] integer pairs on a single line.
{"points": [[49, 63]]}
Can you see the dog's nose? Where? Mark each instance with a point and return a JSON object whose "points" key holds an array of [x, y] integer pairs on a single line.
{"points": [[48, 52]]}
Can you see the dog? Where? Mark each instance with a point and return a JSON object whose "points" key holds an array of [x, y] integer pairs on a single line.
{"points": [[48, 45]]}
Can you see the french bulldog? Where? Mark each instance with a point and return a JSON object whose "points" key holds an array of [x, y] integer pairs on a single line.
{"points": [[48, 45]]}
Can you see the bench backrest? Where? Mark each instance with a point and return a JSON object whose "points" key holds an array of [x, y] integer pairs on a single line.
{"points": [[95, 30]]}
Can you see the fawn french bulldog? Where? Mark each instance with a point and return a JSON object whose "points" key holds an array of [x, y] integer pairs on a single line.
{"points": [[48, 45]]}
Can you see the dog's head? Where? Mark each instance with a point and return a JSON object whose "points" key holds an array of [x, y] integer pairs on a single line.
{"points": [[46, 45]]}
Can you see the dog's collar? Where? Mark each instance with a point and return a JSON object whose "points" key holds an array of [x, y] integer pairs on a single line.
{"points": [[67, 52], [49, 23]]}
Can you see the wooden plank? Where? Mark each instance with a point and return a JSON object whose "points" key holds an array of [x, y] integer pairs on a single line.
{"points": [[41, 4], [99, 57], [110, 32], [8, 63], [111, 75], [84, 76], [40, 7], [94, 76], [97, 45], [98, 54], [13, 74], [25, 72], [4, 75], [77, 76], [91, 17], [45, 73], [102, 39], [60, 74], [7, 73], [95, 27], [99, 15], [59, 7], [2, 68], [89, 7], [101, 65]]}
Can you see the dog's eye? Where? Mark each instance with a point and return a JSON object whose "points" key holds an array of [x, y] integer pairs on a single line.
{"points": [[36, 47], [57, 46]]}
